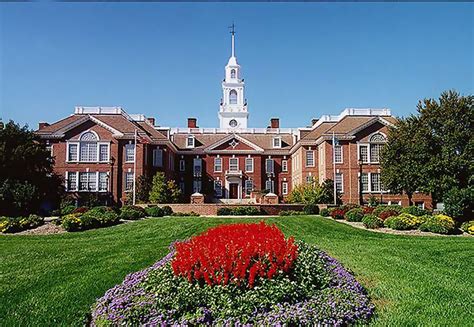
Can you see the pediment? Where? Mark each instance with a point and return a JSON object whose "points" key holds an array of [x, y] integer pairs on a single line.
{"points": [[233, 143]]}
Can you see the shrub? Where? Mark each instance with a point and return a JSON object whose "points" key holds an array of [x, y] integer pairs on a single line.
{"points": [[239, 211], [415, 211], [337, 213], [348, 206], [185, 214], [132, 212], [18, 224], [167, 211], [311, 209], [387, 213], [354, 215], [224, 212], [163, 191], [154, 211], [291, 213], [459, 203], [67, 210], [99, 216], [440, 224], [368, 210], [312, 193], [379, 209], [80, 210], [256, 251], [71, 222], [372, 221], [468, 227], [324, 212], [404, 221]]}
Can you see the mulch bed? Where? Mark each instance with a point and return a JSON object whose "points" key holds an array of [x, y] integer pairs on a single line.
{"points": [[46, 229]]}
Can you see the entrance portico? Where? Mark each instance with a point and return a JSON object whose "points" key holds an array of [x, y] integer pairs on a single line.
{"points": [[233, 187]]}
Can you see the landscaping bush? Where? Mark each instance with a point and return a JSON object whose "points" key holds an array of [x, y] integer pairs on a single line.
{"points": [[354, 215], [67, 210], [154, 211], [324, 212], [291, 213], [404, 221], [372, 221], [132, 212], [389, 208], [415, 211], [468, 227], [167, 211], [185, 214], [440, 224], [18, 224], [348, 206], [235, 275], [71, 222], [378, 209], [311, 209], [386, 213], [368, 210], [99, 217], [239, 211], [337, 213], [80, 210]]}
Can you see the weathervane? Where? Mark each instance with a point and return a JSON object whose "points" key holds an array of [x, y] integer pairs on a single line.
{"points": [[232, 28]]}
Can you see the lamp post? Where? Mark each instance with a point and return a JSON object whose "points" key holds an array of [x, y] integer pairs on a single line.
{"points": [[111, 177], [361, 198]]}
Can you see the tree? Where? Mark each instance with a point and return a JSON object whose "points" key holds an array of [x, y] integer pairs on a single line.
{"points": [[404, 157], [27, 180], [163, 191], [143, 189], [313, 193]]}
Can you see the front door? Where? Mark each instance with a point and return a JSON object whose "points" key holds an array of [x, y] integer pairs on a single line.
{"points": [[233, 191]]}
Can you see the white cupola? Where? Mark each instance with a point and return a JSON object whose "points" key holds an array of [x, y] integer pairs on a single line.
{"points": [[233, 108]]}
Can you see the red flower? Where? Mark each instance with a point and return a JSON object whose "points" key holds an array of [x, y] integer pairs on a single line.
{"points": [[239, 253]]}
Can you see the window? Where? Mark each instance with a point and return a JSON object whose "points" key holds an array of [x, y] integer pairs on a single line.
{"points": [[420, 205], [277, 142], [129, 152], [365, 182], [197, 167], [103, 181], [87, 181], [375, 182], [158, 158], [181, 186], [284, 165], [338, 153], [71, 181], [196, 186], [72, 152], [103, 152], [269, 186], [233, 164], [128, 182], [309, 179], [339, 183], [182, 165], [217, 165], [233, 97], [363, 153], [190, 141], [269, 165], [375, 152], [171, 161], [284, 188], [232, 73], [88, 147], [248, 187], [249, 165], [218, 188], [309, 158]]}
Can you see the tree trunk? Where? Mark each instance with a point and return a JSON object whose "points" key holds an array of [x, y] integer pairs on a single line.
{"points": [[410, 195]]}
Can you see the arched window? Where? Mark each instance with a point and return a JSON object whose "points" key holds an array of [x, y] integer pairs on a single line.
{"points": [[88, 147], [232, 73], [233, 97], [377, 142]]}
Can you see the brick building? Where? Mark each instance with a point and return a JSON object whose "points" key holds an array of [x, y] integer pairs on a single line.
{"points": [[102, 149]]}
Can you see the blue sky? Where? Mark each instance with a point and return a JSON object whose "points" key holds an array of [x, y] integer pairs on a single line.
{"points": [[167, 60]]}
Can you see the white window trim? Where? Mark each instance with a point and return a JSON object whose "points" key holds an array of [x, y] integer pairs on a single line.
{"points": [[251, 160], [342, 182], [233, 158], [216, 170], [194, 142], [284, 165], [342, 155], [306, 159], [279, 142], [108, 151], [245, 186], [125, 182], [284, 188], [68, 143], [197, 174], [155, 162], [134, 153], [266, 166], [369, 186], [218, 190]]}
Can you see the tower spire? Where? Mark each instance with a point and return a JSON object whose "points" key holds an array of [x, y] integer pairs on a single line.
{"points": [[232, 31]]}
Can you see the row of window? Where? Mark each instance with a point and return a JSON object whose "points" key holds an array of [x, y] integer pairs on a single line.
{"points": [[368, 153], [87, 181], [249, 187], [370, 182]]}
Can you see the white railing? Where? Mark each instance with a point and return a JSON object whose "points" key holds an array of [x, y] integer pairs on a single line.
{"points": [[184, 130]]}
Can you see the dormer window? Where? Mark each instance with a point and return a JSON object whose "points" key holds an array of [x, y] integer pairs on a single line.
{"points": [[233, 97], [232, 73], [277, 142], [190, 141]]}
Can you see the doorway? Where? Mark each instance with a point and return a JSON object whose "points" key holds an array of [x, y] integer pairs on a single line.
{"points": [[233, 191]]}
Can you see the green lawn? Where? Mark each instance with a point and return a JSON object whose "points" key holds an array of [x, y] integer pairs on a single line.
{"points": [[53, 280]]}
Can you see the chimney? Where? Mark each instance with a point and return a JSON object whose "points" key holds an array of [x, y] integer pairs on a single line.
{"points": [[151, 120], [42, 124], [275, 123], [314, 121], [192, 123]]}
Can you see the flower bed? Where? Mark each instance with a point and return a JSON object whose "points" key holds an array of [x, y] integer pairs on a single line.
{"points": [[306, 286], [18, 224]]}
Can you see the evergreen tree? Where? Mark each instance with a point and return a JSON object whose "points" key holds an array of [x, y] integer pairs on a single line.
{"points": [[159, 189]]}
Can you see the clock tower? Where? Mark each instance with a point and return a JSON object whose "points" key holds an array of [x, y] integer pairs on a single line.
{"points": [[233, 112]]}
